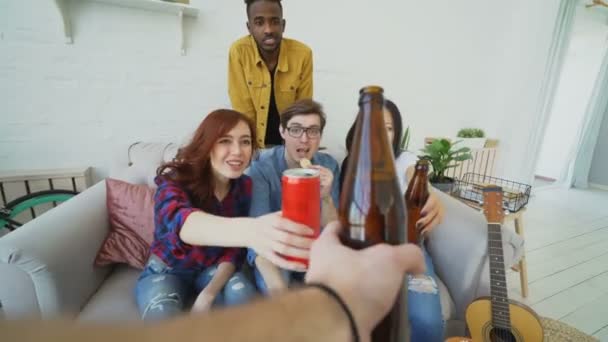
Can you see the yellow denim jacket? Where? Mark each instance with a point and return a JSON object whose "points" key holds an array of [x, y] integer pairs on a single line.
{"points": [[249, 79]]}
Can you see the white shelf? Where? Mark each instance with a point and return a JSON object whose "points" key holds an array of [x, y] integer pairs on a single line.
{"points": [[155, 5], [62, 8], [178, 9]]}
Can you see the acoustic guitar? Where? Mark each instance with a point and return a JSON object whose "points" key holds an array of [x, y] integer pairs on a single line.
{"points": [[497, 318]]}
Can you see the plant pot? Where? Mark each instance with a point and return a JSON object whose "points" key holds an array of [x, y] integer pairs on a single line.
{"points": [[445, 186]]}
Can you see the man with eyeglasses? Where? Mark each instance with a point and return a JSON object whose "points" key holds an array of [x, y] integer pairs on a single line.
{"points": [[301, 129]]}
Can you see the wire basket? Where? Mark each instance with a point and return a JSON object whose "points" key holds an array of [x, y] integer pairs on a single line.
{"points": [[515, 195]]}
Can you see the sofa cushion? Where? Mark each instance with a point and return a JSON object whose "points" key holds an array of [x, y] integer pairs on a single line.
{"points": [[50, 259], [115, 299], [448, 309], [131, 214]]}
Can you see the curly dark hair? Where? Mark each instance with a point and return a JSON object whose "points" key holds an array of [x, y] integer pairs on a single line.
{"points": [[250, 2]]}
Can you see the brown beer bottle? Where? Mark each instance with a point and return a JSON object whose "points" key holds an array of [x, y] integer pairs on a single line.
{"points": [[371, 208], [415, 197]]}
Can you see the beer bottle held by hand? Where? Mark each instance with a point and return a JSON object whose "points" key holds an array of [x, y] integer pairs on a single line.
{"points": [[371, 208], [415, 197]]}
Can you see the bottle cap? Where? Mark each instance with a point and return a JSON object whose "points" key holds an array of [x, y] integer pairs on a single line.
{"points": [[371, 89], [423, 162]]}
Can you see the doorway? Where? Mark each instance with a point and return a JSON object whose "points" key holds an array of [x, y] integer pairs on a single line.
{"points": [[582, 61]]}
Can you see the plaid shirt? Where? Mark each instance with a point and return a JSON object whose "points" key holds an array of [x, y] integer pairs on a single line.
{"points": [[171, 208]]}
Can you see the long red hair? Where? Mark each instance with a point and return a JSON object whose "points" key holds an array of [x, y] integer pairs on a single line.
{"points": [[192, 166]]}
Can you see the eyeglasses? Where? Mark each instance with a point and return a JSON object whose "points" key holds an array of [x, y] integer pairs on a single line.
{"points": [[311, 132]]}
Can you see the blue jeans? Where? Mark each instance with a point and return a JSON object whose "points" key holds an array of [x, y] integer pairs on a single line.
{"points": [[162, 292], [424, 306]]}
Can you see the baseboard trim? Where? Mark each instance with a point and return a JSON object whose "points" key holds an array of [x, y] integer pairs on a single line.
{"points": [[598, 186]]}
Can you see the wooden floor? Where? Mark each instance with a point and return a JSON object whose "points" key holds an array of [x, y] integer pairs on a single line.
{"points": [[566, 233]]}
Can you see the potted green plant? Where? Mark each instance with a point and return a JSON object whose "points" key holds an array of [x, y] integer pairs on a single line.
{"points": [[473, 138], [443, 155]]}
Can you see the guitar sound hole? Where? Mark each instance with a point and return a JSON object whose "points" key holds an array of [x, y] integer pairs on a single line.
{"points": [[501, 335]]}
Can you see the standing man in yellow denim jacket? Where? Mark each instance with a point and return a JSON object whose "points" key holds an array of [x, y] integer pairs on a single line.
{"points": [[266, 72]]}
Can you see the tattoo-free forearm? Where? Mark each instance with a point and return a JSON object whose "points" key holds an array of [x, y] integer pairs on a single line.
{"points": [[219, 231], [304, 315], [224, 271], [271, 274]]}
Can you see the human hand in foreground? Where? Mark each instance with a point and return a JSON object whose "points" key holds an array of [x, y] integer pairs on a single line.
{"points": [[350, 274]]}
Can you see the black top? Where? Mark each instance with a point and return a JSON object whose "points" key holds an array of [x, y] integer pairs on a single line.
{"points": [[273, 137]]}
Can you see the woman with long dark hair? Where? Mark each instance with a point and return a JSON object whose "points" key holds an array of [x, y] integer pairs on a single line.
{"points": [[201, 224], [424, 306]]}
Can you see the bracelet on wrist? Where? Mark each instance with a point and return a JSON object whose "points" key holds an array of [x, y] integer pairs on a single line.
{"points": [[332, 293]]}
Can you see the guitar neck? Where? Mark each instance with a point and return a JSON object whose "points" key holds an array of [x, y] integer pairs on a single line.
{"points": [[501, 317]]}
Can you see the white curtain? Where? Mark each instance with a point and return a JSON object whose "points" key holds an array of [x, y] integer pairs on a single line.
{"points": [[578, 169], [559, 45]]}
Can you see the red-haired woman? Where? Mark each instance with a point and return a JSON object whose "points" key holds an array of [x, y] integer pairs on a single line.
{"points": [[201, 224]]}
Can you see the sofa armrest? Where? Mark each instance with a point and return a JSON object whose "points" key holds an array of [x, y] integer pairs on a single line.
{"points": [[46, 266], [458, 247]]}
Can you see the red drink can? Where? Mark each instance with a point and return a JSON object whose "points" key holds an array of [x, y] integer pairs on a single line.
{"points": [[301, 200]]}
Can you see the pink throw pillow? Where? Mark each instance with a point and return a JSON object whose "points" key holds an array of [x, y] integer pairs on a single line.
{"points": [[131, 214]]}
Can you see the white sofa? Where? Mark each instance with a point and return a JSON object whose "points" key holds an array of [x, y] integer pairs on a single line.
{"points": [[46, 266]]}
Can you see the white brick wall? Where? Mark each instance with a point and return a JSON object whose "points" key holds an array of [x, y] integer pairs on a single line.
{"points": [[447, 64]]}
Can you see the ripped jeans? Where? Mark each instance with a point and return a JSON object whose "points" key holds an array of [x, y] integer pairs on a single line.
{"points": [[424, 306], [162, 292]]}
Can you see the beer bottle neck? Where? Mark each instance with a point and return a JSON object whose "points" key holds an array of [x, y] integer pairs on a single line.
{"points": [[421, 172]]}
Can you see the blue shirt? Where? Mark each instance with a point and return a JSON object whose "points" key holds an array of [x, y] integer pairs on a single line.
{"points": [[266, 172]]}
